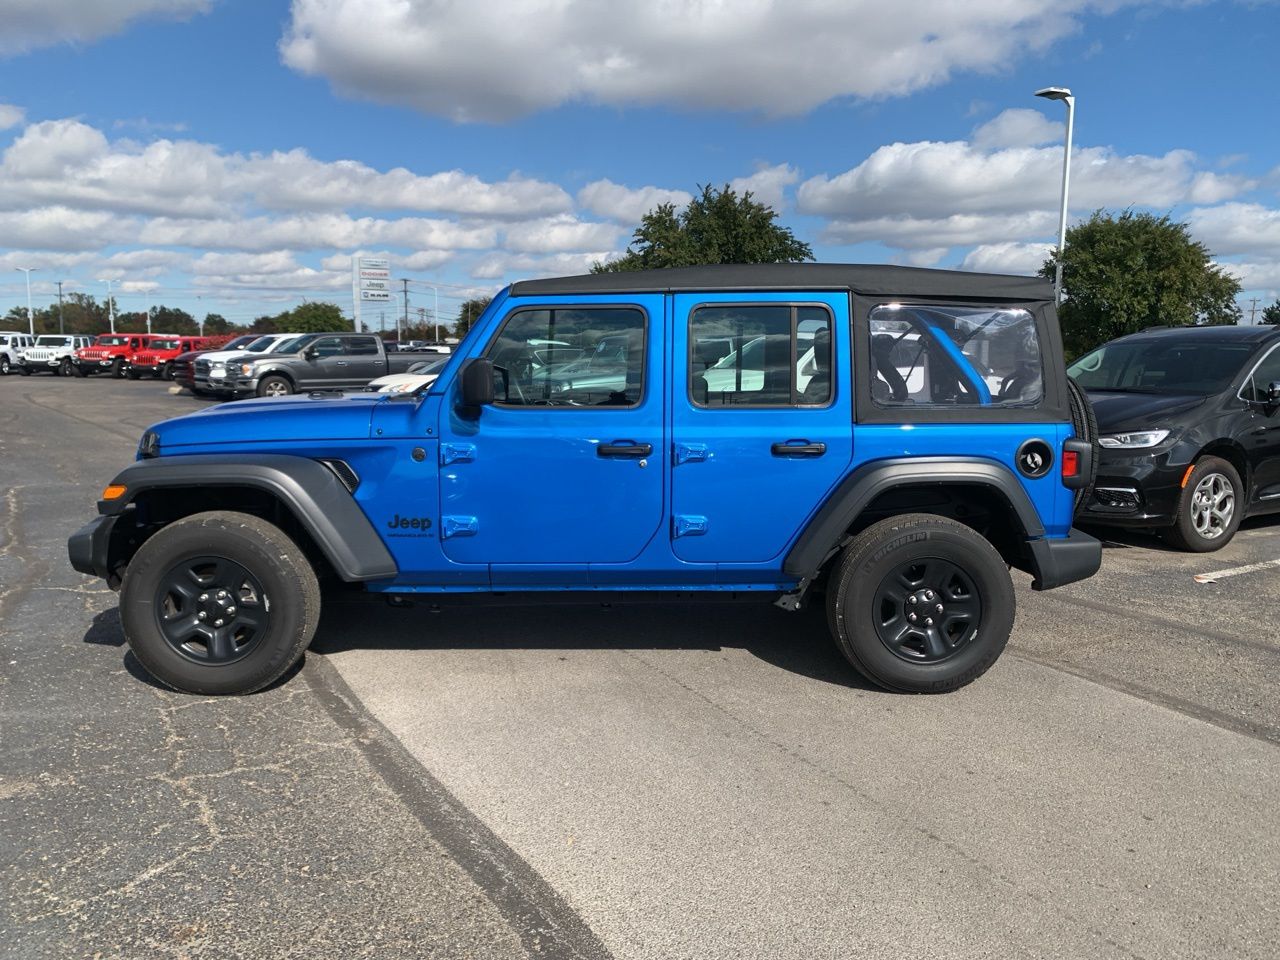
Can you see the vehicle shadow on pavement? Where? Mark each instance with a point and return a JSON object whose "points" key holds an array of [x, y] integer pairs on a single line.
{"points": [[797, 642], [1123, 539]]}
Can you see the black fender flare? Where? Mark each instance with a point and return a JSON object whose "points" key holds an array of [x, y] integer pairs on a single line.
{"points": [[824, 532], [309, 489]]}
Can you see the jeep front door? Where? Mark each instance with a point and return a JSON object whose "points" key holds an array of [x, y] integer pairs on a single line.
{"points": [[566, 467], [761, 420]]}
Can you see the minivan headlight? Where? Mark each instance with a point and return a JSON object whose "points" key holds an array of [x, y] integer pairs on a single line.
{"points": [[1136, 440]]}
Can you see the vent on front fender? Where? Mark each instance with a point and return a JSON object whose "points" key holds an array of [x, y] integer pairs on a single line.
{"points": [[342, 470]]}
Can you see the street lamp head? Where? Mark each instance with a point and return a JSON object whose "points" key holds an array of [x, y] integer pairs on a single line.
{"points": [[1054, 93]]}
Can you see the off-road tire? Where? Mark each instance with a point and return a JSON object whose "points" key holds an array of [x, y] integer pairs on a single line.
{"points": [[1183, 533], [166, 372], [267, 384], [132, 373], [1086, 427], [877, 554], [78, 371], [117, 368], [24, 370], [4, 366], [65, 367], [290, 597]]}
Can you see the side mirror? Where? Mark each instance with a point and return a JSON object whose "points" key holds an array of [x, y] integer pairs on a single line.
{"points": [[1273, 393], [477, 387], [310, 353]]}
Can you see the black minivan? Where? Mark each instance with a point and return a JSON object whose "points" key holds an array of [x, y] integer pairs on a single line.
{"points": [[1189, 430]]}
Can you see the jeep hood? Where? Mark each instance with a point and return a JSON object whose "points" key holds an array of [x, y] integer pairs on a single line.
{"points": [[323, 416], [1118, 412]]}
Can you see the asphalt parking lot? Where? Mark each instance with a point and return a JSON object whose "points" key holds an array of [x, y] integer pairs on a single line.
{"points": [[647, 781]]}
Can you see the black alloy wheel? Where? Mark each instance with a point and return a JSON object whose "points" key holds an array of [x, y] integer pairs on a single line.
{"points": [[4, 366], [927, 609], [64, 368], [211, 610], [919, 603], [219, 603]]}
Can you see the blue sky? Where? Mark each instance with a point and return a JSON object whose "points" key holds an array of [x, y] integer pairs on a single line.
{"points": [[231, 155]]}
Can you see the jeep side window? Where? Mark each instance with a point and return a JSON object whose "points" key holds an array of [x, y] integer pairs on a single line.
{"points": [[570, 357], [943, 355], [764, 355]]}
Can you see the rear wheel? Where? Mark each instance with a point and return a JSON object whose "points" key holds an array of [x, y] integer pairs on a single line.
{"points": [[219, 603], [921, 604], [1210, 507]]}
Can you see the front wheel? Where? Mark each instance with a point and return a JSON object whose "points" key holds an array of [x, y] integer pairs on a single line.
{"points": [[133, 373], [64, 368], [24, 370], [117, 368], [166, 372], [1210, 507], [4, 366], [921, 604], [274, 386], [219, 603], [78, 371]]}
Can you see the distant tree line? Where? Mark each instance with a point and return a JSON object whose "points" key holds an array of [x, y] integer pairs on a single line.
{"points": [[81, 313]]}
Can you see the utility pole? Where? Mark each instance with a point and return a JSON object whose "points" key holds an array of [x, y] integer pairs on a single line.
{"points": [[406, 307], [382, 323], [1253, 308], [111, 305], [61, 326], [422, 317]]}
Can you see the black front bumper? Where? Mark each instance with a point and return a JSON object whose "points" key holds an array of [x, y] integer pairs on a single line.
{"points": [[1137, 489], [89, 549], [1063, 560]]}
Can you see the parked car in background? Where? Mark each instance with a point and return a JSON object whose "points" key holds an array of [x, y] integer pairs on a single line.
{"points": [[316, 361], [184, 371], [109, 353], [1189, 431], [211, 369], [52, 352], [156, 359], [421, 374], [11, 344]]}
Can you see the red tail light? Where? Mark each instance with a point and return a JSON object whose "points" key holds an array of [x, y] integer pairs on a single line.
{"points": [[1070, 464]]}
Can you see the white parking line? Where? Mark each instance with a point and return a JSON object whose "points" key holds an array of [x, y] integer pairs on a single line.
{"points": [[1234, 571]]}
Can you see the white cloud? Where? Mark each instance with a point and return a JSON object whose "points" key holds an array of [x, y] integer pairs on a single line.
{"points": [[506, 58], [561, 235], [67, 161], [11, 116], [29, 24], [626, 205], [1022, 258], [1235, 229], [60, 228], [1018, 128], [768, 184], [315, 232], [498, 265]]}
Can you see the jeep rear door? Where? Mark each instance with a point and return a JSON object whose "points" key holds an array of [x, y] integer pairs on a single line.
{"points": [[762, 423], [566, 467]]}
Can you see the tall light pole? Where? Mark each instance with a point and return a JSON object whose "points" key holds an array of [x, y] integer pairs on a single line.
{"points": [[1063, 94], [61, 325], [111, 309], [31, 317]]}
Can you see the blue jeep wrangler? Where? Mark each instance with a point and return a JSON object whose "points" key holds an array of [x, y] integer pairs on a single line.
{"points": [[889, 439]]}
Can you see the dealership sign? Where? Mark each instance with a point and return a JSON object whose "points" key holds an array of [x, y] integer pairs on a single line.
{"points": [[370, 282]]}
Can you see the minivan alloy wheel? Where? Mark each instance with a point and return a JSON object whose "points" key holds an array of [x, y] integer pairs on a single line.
{"points": [[1213, 504]]}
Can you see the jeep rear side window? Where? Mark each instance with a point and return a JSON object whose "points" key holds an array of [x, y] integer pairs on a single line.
{"points": [[944, 356], [766, 355], [570, 357]]}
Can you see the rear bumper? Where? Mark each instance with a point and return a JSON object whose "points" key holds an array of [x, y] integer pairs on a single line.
{"points": [[89, 547], [1063, 560]]}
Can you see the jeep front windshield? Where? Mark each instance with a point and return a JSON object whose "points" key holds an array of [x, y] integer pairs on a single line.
{"points": [[165, 344], [1164, 365], [47, 341], [110, 341]]}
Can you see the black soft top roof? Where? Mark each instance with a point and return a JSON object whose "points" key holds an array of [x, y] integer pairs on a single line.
{"points": [[875, 280]]}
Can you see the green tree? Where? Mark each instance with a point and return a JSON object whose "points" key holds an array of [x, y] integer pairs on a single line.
{"points": [[1122, 274], [313, 317], [1272, 313], [718, 226], [215, 324], [172, 320], [468, 313]]}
